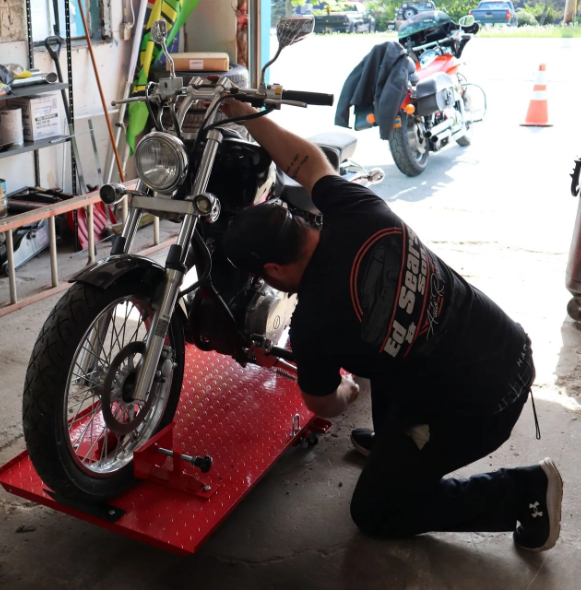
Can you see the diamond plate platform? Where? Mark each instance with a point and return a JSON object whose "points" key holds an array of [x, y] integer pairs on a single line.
{"points": [[242, 418]]}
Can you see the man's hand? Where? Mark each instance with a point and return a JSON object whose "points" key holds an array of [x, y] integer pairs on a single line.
{"points": [[235, 108], [332, 405], [352, 389], [300, 159]]}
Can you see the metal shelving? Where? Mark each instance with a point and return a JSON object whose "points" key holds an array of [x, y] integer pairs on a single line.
{"points": [[34, 89], [30, 146]]}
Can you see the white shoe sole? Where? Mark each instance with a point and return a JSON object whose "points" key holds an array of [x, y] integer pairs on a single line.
{"points": [[554, 500], [362, 450]]}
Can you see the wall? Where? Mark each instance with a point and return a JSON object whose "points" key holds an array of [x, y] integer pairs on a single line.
{"points": [[221, 36], [112, 66], [12, 23]]}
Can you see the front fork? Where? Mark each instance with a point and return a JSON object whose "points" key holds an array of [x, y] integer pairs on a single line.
{"points": [[175, 270]]}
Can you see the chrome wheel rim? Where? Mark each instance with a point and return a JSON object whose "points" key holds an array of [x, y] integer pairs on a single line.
{"points": [[99, 361], [417, 141]]}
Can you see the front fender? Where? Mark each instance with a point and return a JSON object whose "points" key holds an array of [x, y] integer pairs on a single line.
{"points": [[112, 269]]}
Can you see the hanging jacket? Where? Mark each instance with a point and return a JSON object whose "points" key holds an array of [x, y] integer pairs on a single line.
{"points": [[380, 83]]}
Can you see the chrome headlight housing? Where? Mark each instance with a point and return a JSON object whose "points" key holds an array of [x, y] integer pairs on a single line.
{"points": [[161, 161]]}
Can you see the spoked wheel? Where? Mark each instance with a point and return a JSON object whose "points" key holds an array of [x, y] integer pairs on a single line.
{"points": [[82, 422], [409, 146]]}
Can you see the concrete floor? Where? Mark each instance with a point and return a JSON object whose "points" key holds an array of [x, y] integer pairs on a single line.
{"points": [[498, 211]]}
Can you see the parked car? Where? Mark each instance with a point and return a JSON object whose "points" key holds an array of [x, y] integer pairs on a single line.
{"points": [[409, 9], [352, 18], [494, 12]]}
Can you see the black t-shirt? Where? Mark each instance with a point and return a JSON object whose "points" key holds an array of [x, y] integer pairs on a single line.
{"points": [[377, 303]]}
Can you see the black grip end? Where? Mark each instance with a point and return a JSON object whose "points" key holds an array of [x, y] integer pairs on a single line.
{"points": [[312, 98]]}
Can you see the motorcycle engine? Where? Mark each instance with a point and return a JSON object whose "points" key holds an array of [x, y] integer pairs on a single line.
{"points": [[254, 308], [269, 313]]}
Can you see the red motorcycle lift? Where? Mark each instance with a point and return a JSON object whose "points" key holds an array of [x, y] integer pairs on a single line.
{"points": [[244, 419]]}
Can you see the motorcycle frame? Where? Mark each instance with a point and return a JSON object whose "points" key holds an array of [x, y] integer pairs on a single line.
{"points": [[445, 131], [175, 266]]}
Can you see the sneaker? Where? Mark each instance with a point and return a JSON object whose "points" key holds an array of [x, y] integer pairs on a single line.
{"points": [[541, 525], [362, 439]]}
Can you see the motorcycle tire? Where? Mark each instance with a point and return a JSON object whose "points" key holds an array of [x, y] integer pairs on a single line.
{"points": [[465, 140], [407, 157], [48, 389]]}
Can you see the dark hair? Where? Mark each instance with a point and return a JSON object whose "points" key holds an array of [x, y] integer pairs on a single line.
{"points": [[262, 234]]}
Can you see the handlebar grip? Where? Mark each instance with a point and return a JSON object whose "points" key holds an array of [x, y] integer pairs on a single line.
{"points": [[314, 98]]}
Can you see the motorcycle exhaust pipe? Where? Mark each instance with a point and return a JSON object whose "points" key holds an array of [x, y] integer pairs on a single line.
{"points": [[436, 140], [437, 129], [36, 78]]}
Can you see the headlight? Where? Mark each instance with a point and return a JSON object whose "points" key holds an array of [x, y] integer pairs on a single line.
{"points": [[161, 161]]}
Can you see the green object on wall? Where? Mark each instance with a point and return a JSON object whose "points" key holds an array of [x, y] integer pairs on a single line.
{"points": [[175, 12]]}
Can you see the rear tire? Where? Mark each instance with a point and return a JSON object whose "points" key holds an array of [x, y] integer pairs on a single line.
{"points": [[52, 383], [465, 140], [409, 150]]}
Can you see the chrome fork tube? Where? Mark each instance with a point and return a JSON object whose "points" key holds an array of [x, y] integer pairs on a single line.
{"points": [[132, 222], [174, 276], [130, 228]]}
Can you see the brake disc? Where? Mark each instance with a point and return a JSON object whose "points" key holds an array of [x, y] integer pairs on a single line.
{"points": [[119, 388]]}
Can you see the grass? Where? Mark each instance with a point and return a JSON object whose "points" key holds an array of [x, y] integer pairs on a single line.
{"points": [[502, 32], [538, 32]]}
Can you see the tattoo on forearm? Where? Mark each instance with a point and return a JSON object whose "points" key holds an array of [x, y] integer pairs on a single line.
{"points": [[289, 168], [295, 166]]}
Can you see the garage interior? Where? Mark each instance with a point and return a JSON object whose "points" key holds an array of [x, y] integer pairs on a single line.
{"points": [[499, 211]]}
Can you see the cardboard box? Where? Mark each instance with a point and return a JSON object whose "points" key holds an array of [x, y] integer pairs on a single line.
{"points": [[40, 116], [200, 62]]}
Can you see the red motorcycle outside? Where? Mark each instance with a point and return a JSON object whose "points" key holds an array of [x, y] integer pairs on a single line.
{"points": [[440, 107]]}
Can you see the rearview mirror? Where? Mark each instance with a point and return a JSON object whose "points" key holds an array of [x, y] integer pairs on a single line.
{"points": [[375, 176], [466, 21], [159, 31], [159, 36], [288, 31], [294, 29]]}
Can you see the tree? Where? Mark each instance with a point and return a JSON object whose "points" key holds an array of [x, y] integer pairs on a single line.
{"points": [[546, 11], [456, 9]]}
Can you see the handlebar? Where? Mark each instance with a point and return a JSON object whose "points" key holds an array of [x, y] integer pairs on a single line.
{"points": [[312, 98]]}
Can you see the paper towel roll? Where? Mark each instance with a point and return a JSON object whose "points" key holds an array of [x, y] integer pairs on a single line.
{"points": [[11, 130]]}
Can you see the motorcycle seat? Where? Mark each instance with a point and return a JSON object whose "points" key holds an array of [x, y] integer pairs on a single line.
{"points": [[337, 146], [293, 193]]}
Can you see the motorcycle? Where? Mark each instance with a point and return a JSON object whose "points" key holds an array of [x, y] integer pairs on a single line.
{"points": [[438, 108], [106, 371]]}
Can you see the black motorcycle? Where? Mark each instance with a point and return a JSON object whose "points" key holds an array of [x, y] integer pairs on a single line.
{"points": [[106, 371]]}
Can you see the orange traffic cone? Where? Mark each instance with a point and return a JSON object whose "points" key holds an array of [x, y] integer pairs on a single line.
{"points": [[538, 113]]}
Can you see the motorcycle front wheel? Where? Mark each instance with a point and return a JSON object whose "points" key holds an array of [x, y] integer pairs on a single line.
{"points": [[409, 147], [81, 421]]}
